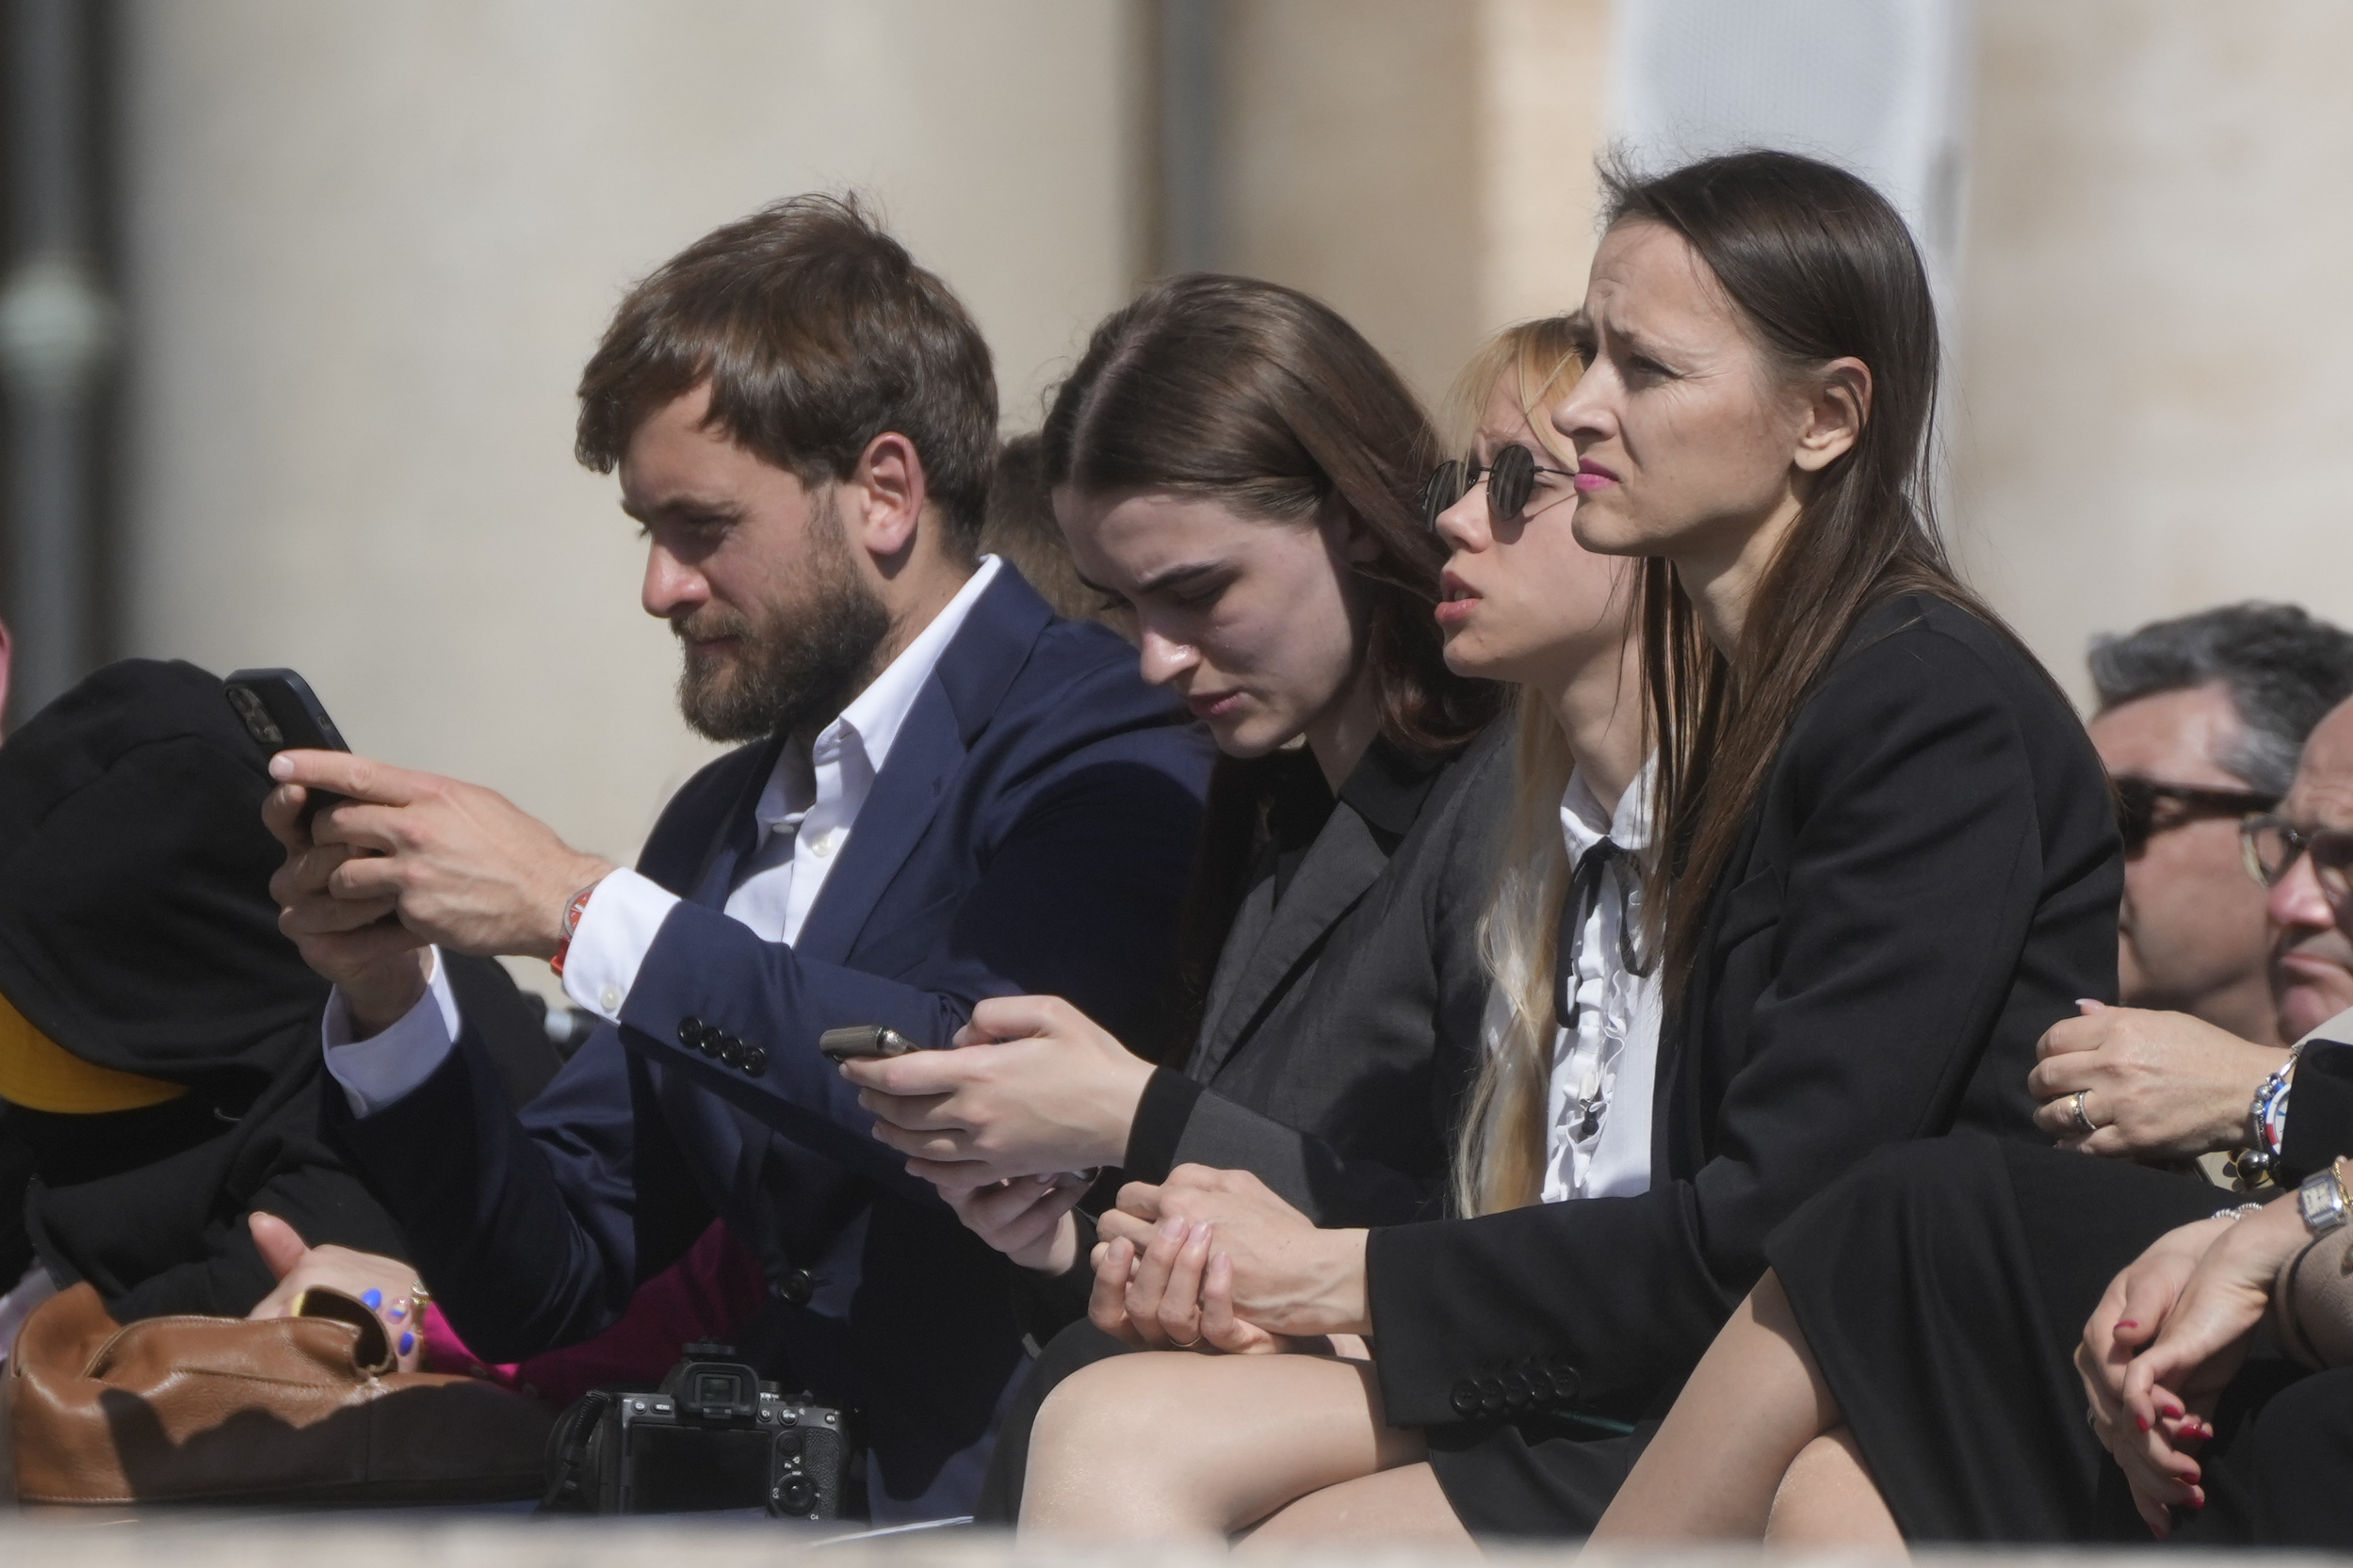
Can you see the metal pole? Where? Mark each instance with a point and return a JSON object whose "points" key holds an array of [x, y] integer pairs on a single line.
{"points": [[56, 332]]}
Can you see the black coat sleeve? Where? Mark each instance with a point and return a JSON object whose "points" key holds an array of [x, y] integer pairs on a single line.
{"points": [[1883, 940], [2320, 1109]]}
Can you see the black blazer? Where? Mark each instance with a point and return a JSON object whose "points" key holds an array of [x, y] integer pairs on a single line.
{"points": [[1343, 1019], [1926, 884]]}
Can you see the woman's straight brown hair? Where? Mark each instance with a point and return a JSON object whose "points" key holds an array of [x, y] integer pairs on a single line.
{"points": [[1268, 400], [1819, 266]]}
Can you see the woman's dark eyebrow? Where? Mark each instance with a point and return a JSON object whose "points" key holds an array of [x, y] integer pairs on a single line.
{"points": [[1177, 574]]}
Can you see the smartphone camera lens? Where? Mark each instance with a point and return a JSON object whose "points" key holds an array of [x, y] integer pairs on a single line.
{"points": [[255, 717]]}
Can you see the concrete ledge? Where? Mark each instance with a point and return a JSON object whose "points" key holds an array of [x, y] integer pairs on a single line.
{"points": [[73, 1538]]}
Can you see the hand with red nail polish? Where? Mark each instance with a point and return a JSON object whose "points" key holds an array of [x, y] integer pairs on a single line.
{"points": [[2173, 1385]]}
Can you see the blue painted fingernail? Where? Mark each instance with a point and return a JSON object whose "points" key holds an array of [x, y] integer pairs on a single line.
{"points": [[408, 1343], [373, 1298]]}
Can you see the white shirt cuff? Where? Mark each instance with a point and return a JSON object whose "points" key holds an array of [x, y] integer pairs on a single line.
{"points": [[385, 1067], [616, 931]]}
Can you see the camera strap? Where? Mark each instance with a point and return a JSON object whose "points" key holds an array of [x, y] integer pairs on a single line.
{"points": [[568, 1482]]}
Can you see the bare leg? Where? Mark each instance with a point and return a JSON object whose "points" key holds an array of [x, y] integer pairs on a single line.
{"points": [[1828, 1501], [1171, 1445], [1753, 1402], [1401, 1508]]}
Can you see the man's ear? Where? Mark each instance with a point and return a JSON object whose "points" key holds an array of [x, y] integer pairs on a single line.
{"points": [[1836, 411], [890, 490]]}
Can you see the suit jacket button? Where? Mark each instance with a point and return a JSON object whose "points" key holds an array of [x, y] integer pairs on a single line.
{"points": [[1565, 1381], [1491, 1400], [1464, 1399], [1518, 1391], [755, 1061], [691, 1032], [796, 1288]]}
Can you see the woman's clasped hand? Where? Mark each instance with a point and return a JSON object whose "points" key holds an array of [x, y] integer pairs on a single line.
{"points": [[2168, 1336], [1213, 1260]]}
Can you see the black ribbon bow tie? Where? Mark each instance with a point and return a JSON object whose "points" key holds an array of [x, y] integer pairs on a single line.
{"points": [[1577, 906]]}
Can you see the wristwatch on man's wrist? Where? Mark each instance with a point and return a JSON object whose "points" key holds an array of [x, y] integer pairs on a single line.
{"points": [[2267, 1121], [2322, 1201]]}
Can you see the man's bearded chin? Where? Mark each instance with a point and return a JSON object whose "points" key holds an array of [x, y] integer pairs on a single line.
{"points": [[796, 668]]}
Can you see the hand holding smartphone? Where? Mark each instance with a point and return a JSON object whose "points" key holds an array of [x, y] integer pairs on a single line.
{"points": [[282, 713]]}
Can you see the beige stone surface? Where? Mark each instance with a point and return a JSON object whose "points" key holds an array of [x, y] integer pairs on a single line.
{"points": [[1424, 168], [370, 244], [2155, 408]]}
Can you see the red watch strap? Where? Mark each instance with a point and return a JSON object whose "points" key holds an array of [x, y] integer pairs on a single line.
{"points": [[572, 912]]}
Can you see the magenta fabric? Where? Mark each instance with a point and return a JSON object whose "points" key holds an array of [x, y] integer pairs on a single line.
{"points": [[708, 1294]]}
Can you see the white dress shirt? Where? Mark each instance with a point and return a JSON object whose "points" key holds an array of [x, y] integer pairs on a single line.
{"points": [[805, 816], [1597, 1110]]}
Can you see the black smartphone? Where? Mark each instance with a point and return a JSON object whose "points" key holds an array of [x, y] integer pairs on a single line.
{"points": [[863, 1040], [282, 713]]}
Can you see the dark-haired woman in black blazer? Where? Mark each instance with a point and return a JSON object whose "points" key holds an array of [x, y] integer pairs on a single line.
{"points": [[1890, 865]]}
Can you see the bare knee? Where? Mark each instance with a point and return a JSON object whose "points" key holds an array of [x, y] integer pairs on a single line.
{"points": [[1828, 1498], [1120, 1432]]}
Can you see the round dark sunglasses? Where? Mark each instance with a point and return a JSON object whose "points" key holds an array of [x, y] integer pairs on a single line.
{"points": [[2273, 844], [1511, 480], [2144, 807]]}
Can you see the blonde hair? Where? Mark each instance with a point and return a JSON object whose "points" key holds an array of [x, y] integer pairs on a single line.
{"points": [[1500, 1146]]}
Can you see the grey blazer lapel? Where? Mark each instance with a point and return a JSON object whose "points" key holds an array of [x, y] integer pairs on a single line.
{"points": [[1343, 860]]}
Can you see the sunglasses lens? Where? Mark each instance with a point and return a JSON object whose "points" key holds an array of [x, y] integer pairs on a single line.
{"points": [[1508, 483], [2135, 813], [1445, 488]]}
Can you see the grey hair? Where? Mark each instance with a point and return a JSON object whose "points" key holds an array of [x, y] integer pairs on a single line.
{"points": [[2284, 669]]}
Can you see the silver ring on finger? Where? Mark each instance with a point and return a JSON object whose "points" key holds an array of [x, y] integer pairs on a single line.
{"points": [[2075, 1108]]}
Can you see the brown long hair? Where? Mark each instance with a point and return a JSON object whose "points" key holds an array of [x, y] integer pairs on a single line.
{"points": [[1820, 267], [1268, 400]]}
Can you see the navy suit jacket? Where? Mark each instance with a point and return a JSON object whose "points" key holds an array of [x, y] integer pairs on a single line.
{"points": [[1029, 832]]}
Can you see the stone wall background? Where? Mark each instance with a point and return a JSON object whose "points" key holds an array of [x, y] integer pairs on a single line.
{"points": [[366, 249]]}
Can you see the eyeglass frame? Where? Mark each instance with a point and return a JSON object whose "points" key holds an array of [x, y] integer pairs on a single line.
{"points": [[2199, 802], [1460, 477], [2299, 844]]}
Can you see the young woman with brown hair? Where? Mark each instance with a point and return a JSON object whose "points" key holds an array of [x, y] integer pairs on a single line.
{"points": [[1231, 459], [1889, 864]]}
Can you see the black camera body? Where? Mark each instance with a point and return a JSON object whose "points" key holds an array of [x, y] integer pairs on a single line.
{"points": [[713, 1436]]}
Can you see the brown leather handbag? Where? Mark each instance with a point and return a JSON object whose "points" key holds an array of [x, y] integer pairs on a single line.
{"points": [[303, 1408]]}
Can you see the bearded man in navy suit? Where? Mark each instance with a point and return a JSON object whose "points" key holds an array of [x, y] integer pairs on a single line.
{"points": [[945, 792]]}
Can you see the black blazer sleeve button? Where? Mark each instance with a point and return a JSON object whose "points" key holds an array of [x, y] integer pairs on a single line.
{"points": [[1491, 1400], [691, 1033], [753, 1061], [1464, 1397], [796, 1288], [1520, 1391], [1565, 1381]]}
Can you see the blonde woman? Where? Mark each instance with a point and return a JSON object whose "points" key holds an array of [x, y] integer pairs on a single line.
{"points": [[1561, 1107]]}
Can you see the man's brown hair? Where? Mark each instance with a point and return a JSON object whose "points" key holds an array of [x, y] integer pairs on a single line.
{"points": [[817, 333]]}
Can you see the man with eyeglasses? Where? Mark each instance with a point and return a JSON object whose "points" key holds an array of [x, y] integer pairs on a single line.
{"points": [[2201, 722]]}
